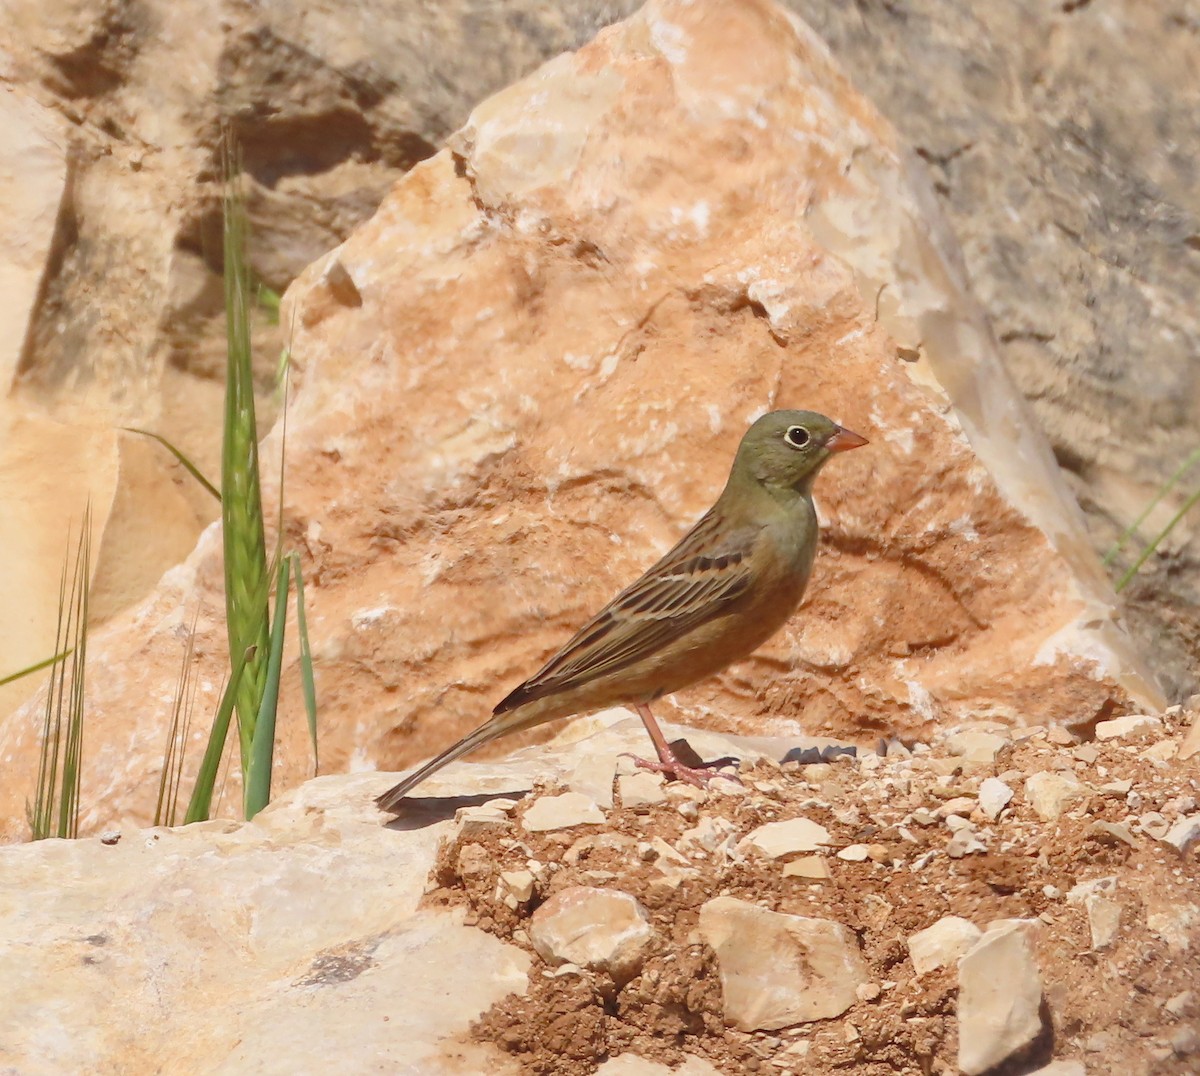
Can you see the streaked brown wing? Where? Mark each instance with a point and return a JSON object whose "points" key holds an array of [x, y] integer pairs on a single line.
{"points": [[698, 579]]}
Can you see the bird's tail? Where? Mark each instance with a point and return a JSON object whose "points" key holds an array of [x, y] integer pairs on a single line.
{"points": [[499, 725]]}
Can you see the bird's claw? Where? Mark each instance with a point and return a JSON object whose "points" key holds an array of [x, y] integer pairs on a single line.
{"points": [[700, 776]]}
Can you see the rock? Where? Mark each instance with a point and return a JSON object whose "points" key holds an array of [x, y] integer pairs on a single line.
{"points": [[1104, 920], [1180, 1004], [594, 777], [778, 839], [641, 790], [1153, 824], [561, 812], [710, 835], [1184, 834], [515, 887], [994, 796], [599, 929], [1050, 794], [854, 853], [632, 1065], [999, 999], [840, 210], [1061, 1068], [331, 933], [976, 746], [778, 970], [1111, 833], [1131, 728], [942, 943], [813, 868]]}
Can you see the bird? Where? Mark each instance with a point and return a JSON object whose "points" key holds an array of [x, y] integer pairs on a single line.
{"points": [[726, 587]]}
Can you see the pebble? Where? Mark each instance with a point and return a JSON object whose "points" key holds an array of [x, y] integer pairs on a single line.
{"points": [[976, 746], [641, 790], [514, 888], [598, 929], [1050, 794], [813, 868], [1130, 728], [994, 796], [854, 853], [562, 812], [1180, 1003], [792, 837], [1153, 824], [1111, 833], [779, 970], [943, 943], [999, 999], [1184, 834]]}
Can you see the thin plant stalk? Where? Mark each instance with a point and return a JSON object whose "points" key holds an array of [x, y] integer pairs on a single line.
{"points": [[1133, 527], [1145, 554]]}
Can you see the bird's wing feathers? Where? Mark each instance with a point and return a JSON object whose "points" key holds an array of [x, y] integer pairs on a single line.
{"points": [[700, 578]]}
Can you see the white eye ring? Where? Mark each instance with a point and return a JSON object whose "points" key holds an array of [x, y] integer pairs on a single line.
{"points": [[797, 436]]}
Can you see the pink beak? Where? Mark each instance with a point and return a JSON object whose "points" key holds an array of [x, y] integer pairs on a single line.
{"points": [[843, 440]]}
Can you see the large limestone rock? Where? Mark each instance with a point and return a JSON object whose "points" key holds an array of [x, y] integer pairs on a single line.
{"points": [[524, 377], [226, 948]]}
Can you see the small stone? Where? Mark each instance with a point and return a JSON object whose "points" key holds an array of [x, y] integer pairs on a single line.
{"points": [[1104, 920], [1179, 1004], [1117, 788], [778, 839], [599, 929], [1057, 734], [960, 805], [1050, 794], [867, 991], [1111, 833], [975, 746], [994, 796], [956, 822], [813, 868], [1086, 753], [562, 812], [476, 822], [709, 835], [1163, 751], [1153, 824], [1061, 1068], [593, 777], [1185, 1041], [515, 887], [110, 836], [922, 816], [1131, 728], [942, 944], [1184, 834], [964, 843], [999, 999], [778, 970], [641, 790], [854, 853]]}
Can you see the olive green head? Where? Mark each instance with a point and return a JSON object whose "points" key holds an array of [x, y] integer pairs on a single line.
{"points": [[786, 449]]}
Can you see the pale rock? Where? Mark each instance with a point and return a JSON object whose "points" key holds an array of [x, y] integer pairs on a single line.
{"points": [[960, 805], [593, 777], [329, 933], [1131, 728], [791, 837], [561, 812], [854, 853], [515, 887], [440, 499], [1111, 833], [1086, 753], [942, 943], [599, 929], [994, 796], [1061, 1068], [1184, 834], [1104, 920], [475, 822], [778, 970], [605, 841], [1050, 794], [1163, 751], [999, 999], [964, 843], [1061, 736], [976, 746], [641, 790], [813, 868], [1180, 1004], [1154, 824], [717, 836], [1120, 787], [955, 823]]}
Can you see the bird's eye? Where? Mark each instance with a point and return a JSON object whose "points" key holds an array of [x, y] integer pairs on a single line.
{"points": [[797, 436]]}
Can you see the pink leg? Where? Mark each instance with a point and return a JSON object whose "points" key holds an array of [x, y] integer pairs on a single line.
{"points": [[667, 763]]}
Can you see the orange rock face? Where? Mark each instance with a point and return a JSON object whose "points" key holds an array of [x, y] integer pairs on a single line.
{"points": [[527, 374]]}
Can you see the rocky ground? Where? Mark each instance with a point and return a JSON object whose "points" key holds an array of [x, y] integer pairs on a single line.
{"points": [[992, 901]]}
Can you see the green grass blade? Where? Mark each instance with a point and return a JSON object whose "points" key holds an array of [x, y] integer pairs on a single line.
{"points": [[1145, 554], [69, 796], [1132, 529], [262, 755], [200, 804], [246, 570], [173, 751], [29, 670], [307, 681], [41, 813], [188, 465]]}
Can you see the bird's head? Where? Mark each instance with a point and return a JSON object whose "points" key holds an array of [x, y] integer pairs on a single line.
{"points": [[786, 449]]}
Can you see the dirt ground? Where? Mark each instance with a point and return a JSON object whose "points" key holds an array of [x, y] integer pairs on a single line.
{"points": [[1131, 1007]]}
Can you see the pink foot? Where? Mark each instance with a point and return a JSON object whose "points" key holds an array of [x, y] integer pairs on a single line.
{"points": [[674, 770]]}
